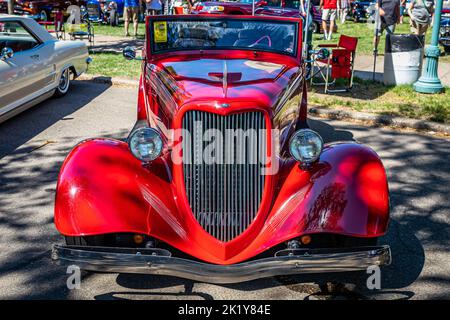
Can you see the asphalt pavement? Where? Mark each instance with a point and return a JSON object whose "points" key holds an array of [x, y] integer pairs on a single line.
{"points": [[34, 144]]}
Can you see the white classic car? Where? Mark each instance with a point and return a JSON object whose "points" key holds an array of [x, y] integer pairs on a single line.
{"points": [[34, 65]]}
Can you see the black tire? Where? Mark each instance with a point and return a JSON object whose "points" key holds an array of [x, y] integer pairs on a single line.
{"points": [[94, 241], [350, 242], [64, 83], [315, 27]]}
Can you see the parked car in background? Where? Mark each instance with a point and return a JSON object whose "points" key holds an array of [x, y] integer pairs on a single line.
{"points": [[40, 10], [360, 11], [444, 31], [221, 179], [286, 8], [34, 65], [105, 11]]}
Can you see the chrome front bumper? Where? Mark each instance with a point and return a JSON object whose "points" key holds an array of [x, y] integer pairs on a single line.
{"points": [[160, 262]]}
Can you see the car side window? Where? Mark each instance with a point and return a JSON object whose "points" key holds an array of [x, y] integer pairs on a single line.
{"points": [[274, 3], [15, 36], [292, 4]]}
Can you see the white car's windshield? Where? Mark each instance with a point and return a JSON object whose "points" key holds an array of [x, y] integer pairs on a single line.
{"points": [[224, 33]]}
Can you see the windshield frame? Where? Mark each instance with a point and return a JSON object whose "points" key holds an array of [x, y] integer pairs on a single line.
{"points": [[194, 17]]}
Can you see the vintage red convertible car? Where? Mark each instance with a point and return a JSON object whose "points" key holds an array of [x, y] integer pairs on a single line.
{"points": [[221, 180]]}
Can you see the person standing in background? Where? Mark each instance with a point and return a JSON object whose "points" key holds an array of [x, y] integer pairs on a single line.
{"points": [[329, 10], [389, 11], [420, 12], [131, 13], [402, 10], [166, 9], [343, 11], [190, 4], [153, 7]]}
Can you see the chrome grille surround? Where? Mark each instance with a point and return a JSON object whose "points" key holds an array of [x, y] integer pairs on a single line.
{"points": [[224, 195]]}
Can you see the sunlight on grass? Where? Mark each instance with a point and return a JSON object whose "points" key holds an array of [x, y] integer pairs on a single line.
{"points": [[368, 96], [119, 31], [114, 65]]}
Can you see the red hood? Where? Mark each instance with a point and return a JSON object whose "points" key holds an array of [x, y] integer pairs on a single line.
{"points": [[227, 3], [213, 79]]}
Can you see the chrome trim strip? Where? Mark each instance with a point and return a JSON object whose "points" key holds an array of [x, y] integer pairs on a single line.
{"points": [[302, 261], [24, 100]]}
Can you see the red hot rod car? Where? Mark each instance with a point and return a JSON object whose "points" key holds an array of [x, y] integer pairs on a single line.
{"points": [[221, 180]]}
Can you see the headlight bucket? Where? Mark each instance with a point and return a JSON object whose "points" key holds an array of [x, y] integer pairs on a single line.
{"points": [[305, 146], [145, 144]]}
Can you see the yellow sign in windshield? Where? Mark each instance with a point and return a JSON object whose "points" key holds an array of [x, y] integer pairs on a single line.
{"points": [[160, 31]]}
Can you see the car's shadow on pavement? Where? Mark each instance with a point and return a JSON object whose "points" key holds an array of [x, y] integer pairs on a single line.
{"points": [[408, 253], [29, 166], [26, 125]]}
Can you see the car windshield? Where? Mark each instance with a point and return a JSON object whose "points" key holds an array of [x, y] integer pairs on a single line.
{"points": [[224, 33]]}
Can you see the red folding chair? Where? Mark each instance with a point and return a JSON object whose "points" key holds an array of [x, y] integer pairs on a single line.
{"points": [[58, 25], [340, 63]]}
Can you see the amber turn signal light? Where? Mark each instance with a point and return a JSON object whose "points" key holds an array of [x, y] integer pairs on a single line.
{"points": [[305, 239], [138, 238]]}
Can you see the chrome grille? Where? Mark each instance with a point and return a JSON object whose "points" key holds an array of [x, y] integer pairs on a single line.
{"points": [[224, 194]]}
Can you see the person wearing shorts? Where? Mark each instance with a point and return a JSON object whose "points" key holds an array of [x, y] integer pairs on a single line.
{"points": [[131, 12], [402, 10], [420, 12], [153, 7], [343, 10], [389, 11], [329, 9]]}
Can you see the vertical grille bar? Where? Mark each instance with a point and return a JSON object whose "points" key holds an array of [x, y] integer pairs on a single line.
{"points": [[224, 196]]}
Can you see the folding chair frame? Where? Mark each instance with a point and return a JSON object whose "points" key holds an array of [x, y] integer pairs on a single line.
{"points": [[89, 34], [328, 67]]}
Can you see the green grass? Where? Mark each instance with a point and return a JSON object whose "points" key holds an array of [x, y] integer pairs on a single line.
{"points": [[119, 31], [114, 65], [364, 32], [368, 96]]}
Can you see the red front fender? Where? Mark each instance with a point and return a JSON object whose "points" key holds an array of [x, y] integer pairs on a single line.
{"points": [[102, 189]]}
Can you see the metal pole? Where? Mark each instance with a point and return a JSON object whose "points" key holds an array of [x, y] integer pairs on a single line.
{"points": [[306, 41], [10, 6], [377, 31], [429, 81], [253, 7]]}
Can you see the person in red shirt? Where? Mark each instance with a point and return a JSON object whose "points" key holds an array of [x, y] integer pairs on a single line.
{"points": [[329, 9]]}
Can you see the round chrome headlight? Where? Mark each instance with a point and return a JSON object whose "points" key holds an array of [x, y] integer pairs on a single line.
{"points": [[305, 146], [145, 144]]}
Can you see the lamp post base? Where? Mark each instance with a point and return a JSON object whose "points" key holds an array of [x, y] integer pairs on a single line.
{"points": [[429, 81]]}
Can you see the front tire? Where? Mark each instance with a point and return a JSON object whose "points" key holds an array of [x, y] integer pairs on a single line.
{"points": [[95, 241], [316, 27], [354, 242], [64, 83]]}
